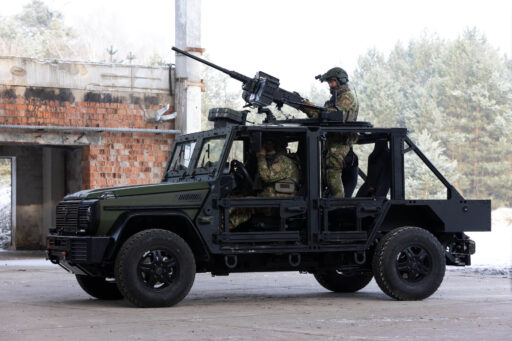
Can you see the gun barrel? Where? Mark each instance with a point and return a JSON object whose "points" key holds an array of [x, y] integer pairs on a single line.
{"points": [[233, 74], [259, 91]]}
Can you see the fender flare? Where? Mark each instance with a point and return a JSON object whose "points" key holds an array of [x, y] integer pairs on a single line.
{"points": [[119, 226]]}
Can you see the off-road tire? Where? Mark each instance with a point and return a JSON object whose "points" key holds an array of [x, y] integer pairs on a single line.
{"points": [[128, 277], [386, 264], [99, 287], [344, 282]]}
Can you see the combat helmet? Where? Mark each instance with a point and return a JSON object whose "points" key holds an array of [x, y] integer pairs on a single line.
{"points": [[336, 73]]}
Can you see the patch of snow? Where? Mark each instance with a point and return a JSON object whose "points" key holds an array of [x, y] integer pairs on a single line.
{"points": [[494, 249], [5, 214], [33, 262], [483, 270]]}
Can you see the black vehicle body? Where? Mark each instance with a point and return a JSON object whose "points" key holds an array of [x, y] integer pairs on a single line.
{"points": [[311, 232], [152, 239]]}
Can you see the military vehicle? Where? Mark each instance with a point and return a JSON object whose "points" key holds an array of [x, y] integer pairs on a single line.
{"points": [[146, 243]]}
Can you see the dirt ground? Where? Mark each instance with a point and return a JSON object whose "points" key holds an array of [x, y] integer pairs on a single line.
{"points": [[40, 301]]}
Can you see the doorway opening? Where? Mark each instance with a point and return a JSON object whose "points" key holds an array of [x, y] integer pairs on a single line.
{"points": [[7, 200]]}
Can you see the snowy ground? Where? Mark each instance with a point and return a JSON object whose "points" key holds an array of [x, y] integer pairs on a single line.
{"points": [[5, 214], [21, 263], [46, 303], [494, 249]]}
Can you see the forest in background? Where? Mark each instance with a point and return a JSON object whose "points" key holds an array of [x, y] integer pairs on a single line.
{"points": [[40, 32], [454, 96]]}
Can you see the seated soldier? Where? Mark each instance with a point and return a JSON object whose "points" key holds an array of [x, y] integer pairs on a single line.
{"points": [[276, 168], [279, 174]]}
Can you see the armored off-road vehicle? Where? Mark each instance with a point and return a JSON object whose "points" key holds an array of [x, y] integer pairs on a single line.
{"points": [[146, 243]]}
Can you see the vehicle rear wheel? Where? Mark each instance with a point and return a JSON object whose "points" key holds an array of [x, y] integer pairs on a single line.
{"points": [[409, 263], [338, 281], [99, 287], [155, 268]]}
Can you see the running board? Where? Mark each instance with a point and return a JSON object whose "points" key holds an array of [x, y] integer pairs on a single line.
{"points": [[256, 237], [343, 236]]}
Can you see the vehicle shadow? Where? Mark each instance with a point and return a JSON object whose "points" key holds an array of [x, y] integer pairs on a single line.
{"points": [[245, 297], [248, 297]]}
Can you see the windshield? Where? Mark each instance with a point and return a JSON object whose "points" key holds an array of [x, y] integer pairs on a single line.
{"points": [[182, 155], [211, 152]]}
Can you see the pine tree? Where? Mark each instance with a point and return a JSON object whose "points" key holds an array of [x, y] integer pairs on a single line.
{"points": [[477, 99], [218, 94], [37, 32], [460, 92], [420, 182]]}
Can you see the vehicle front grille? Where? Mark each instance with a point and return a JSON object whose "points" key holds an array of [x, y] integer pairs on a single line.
{"points": [[67, 217], [83, 223]]}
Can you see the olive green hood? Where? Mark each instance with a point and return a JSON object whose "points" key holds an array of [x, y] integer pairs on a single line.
{"points": [[122, 191]]}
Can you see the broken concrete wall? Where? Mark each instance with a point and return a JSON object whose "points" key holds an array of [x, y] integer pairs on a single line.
{"points": [[119, 83]]}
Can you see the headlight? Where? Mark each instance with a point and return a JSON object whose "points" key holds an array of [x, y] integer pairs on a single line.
{"points": [[88, 217]]}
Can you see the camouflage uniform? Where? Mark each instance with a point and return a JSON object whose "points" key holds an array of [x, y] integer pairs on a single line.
{"points": [[338, 145], [272, 168]]}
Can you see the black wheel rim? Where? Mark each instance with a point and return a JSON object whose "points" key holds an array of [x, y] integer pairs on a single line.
{"points": [[413, 264], [158, 269]]}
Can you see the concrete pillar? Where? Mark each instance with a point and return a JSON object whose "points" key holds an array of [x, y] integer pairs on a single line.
{"points": [[188, 71]]}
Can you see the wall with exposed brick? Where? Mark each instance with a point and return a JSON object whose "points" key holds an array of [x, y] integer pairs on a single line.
{"points": [[71, 96], [119, 158], [121, 97], [126, 159]]}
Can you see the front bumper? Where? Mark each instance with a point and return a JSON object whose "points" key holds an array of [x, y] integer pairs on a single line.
{"points": [[75, 253]]}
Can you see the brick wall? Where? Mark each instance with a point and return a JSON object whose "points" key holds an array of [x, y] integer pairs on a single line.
{"points": [[125, 159], [117, 158], [51, 163]]}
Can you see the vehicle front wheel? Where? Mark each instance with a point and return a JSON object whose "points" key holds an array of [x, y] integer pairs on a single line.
{"points": [[409, 263], [338, 281], [155, 268], [99, 287]]}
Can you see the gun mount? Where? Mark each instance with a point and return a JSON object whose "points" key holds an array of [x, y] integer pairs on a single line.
{"points": [[260, 91], [263, 89]]}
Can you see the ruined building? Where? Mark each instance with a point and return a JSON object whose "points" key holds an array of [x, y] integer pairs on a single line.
{"points": [[67, 126]]}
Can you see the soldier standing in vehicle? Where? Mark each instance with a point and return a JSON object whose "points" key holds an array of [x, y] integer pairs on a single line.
{"points": [[279, 174], [338, 145]]}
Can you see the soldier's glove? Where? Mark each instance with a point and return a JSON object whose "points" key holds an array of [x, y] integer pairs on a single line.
{"points": [[312, 113]]}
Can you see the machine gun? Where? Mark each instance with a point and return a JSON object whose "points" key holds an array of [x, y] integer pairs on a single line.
{"points": [[260, 91]]}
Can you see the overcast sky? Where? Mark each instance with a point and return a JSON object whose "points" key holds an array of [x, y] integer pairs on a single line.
{"points": [[292, 40]]}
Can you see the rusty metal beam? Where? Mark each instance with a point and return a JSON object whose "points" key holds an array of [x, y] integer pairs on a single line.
{"points": [[91, 129]]}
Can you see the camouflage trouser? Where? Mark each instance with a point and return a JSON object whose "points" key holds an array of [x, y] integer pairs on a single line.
{"points": [[336, 153], [240, 215]]}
